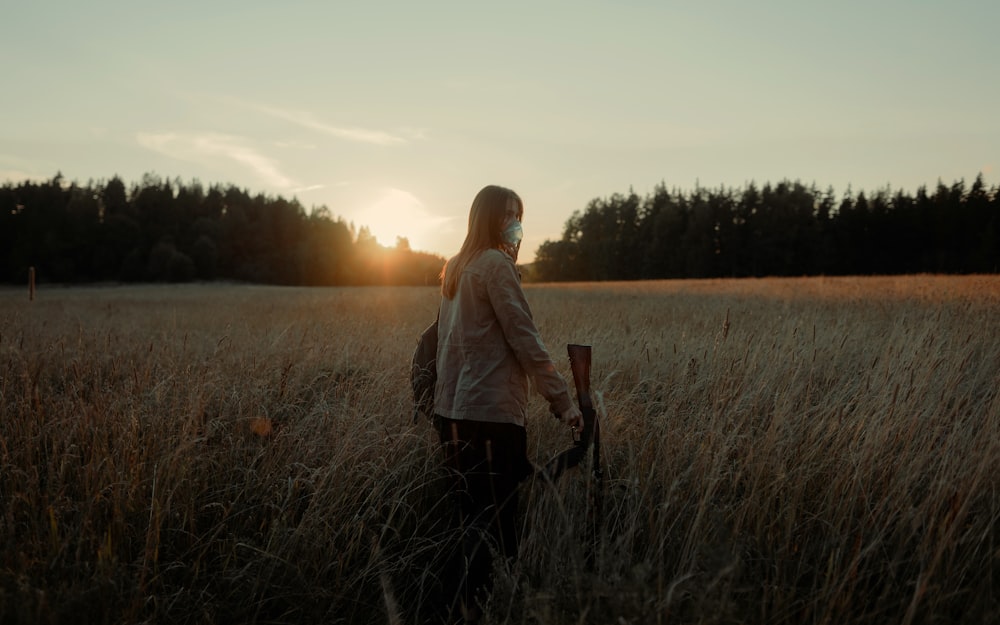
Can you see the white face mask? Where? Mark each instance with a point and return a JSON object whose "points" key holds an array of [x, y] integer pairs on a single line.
{"points": [[512, 236]]}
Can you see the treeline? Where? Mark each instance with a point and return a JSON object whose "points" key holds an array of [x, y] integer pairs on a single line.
{"points": [[787, 229], [169, 231]]}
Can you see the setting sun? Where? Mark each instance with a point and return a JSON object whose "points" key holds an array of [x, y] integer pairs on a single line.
{"points": [[397, 213]]}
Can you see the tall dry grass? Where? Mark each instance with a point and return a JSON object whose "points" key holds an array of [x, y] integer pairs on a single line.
{"points": [[775, 451]]}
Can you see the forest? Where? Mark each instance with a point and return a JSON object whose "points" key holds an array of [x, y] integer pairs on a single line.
{"points": [[160, 230], [784, 229], [167, 231]]}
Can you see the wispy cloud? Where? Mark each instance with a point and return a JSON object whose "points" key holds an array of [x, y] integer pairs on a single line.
{"points": [[305, 189], [17, 176], [295, 145], [207, 149], [348, 133], [16, 169]]}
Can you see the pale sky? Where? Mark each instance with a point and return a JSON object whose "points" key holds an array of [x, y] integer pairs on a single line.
{"points": [[394, 114]]}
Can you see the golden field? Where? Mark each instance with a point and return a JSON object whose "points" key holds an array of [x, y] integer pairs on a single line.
{"points": [[815, 450]]}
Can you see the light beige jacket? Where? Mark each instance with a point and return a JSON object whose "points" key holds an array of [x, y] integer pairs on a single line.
{"points": [[489, 347]]}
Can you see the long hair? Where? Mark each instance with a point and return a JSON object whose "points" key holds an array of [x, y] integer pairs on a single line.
{"points": [[486, 222]]}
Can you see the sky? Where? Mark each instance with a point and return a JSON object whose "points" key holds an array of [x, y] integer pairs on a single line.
{"points": [[394, 114]]}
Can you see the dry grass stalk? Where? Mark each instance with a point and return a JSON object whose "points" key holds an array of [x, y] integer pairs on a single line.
{"points": [[776, 451]]}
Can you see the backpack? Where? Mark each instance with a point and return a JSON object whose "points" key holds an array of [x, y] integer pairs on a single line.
{"points": [[423, 372]]}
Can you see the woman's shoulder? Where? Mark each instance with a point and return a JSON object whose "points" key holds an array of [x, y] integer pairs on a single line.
{"points": [[494, 258], [493, 263]]}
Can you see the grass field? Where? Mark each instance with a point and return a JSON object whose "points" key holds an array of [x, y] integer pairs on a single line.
{"points": [[820, 450]]}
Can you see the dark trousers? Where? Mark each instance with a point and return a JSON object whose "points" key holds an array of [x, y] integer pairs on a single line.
{"points": [[485, 463]]}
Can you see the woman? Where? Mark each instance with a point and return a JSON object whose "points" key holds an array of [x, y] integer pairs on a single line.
{"points": [[488, 349]]}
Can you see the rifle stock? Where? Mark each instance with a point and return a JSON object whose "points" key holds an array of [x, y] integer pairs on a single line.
{"points": [[590, 435], [588, 438], [579, 363]]}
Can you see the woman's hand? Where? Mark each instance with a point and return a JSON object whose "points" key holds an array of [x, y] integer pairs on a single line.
{"points": [[572, 417]]}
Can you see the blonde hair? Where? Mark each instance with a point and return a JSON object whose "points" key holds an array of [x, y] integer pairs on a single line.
{"points": [[486, 222]]}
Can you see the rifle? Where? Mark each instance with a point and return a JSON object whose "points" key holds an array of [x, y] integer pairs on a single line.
{"points": [[589, 437], [579, 362]]}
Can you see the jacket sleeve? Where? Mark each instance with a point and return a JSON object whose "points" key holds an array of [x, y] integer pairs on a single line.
{"points": [[512, 311]]}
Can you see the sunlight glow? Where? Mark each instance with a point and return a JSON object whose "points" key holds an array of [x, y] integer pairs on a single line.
{"points": [[398, 213]]}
